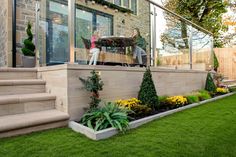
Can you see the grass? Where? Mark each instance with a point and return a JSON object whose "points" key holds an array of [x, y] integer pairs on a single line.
{"points": [[205, 131]]}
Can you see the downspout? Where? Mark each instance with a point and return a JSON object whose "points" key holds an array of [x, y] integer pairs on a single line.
{"points": [[13, 33]]}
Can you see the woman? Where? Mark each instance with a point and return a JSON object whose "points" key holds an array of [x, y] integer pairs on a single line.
{"points": [[140, 46], [93, 49]]}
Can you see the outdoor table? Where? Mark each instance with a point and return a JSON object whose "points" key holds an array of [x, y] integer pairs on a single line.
{"points": [[116, 42]]}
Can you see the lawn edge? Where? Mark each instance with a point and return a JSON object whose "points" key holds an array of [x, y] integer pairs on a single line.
{"points": [[107, 133]]}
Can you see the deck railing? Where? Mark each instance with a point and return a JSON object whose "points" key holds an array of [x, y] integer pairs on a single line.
{"points": [[172, 41]]}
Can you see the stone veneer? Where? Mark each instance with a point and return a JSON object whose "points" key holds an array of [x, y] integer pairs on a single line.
{"points": [[3, 33]]}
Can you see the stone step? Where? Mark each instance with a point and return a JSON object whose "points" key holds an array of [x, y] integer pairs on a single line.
{"points": [[13, 125], [232, 86], [10, 87], [229, 82], [18, 73], [23, 103]]}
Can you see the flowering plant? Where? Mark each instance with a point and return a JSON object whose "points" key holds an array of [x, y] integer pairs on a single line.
{"points": [[176, 101], [222, 90], [133, 104]]}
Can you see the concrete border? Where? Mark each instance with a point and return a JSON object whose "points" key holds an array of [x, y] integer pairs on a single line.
{"points": [[106, 133]]}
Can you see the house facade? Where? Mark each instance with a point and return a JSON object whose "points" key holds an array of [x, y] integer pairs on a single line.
{"points": [[53, 26]]}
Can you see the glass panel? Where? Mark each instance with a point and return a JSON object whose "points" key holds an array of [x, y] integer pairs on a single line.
{"points": [[202, 53], [53, 33], [117, 2], [134, 6], [104, 25], [126, 3], [83, 26], [172, 41]]}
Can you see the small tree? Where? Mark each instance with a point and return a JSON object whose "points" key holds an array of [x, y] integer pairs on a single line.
{"points": [[29, 47], [216, 62], [147, 93], [93, 84], [210, 85]]}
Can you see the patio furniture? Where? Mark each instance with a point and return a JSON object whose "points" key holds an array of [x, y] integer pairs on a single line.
{"points": [[118, 57]]}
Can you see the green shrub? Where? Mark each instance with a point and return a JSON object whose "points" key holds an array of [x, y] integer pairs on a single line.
{"points": [[210, 85], [29, 47], [216, 62], [162, 101], [93, 84], [204, 95], [192, 99], [232, 89], [111, 115], [147, 93]]}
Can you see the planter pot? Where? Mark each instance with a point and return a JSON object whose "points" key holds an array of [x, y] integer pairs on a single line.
{"points": [[28, 61]]}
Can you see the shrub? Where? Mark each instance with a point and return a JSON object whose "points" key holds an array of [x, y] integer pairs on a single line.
{"points": [[147, 93], [29, 47], [204, 95], [222, 90], [176, 101], [135, 105], [162, 101], [216, 62], [210, 85], [192, 99], [93, 84], [111, 115], [232, 89]]}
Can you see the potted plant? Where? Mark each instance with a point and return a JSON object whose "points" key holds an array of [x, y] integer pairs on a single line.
{"points": [[28, 49]]}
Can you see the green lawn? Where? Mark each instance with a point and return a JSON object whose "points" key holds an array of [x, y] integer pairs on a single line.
{"points": [[206, 131]]}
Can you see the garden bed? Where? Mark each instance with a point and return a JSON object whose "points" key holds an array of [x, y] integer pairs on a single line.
{"points": [[106, 133]]}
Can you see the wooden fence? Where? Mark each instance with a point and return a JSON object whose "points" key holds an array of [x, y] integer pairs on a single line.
{"points": [[227, 60]]}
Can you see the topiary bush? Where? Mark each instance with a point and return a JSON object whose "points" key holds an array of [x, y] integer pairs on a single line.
{"points": [[216, 62], [210, 85], [29, 47], [93, 84], [147, 93]]}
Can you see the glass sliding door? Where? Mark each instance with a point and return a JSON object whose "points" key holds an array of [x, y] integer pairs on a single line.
{"points": [[104, 25], [84, 26], [87, 21], [57, 41]]}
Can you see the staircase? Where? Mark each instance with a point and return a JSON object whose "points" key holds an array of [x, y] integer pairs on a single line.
{"points": [[229, 83], [25, 106]]}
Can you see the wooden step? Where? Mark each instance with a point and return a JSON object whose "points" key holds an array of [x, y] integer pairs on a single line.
{"points": [[10, 87], [18, 73], [13, 125], [23, 103]]}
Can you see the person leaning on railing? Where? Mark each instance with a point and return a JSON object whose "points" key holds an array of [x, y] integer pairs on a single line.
{"points": [[139, 46]]}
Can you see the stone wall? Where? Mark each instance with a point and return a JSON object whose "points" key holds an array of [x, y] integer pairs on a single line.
{"points": [[3, 33], [119, 83]]}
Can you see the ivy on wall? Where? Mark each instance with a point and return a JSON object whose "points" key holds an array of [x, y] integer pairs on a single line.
{"points": [[112, 6]]}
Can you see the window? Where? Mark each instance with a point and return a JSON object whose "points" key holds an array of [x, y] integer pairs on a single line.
{"points": [[134, 6], [130, 4], [117, 2], [87, 21], [126, 3]]}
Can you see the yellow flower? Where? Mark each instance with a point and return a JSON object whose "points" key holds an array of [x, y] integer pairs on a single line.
{"points": [[222, 90]]}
